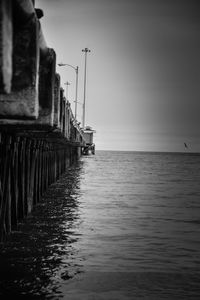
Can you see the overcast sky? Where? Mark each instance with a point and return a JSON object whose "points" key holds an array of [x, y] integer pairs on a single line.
{"points": [[143, 88]]}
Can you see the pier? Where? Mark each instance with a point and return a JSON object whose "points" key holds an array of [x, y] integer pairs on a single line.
{"points": [[39, 135]]}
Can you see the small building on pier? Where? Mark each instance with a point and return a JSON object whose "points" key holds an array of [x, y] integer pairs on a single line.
{"points": [[89, 146]]}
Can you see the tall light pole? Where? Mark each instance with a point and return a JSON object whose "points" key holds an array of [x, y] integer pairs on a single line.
{"points": [[86, 50], [67, 84], [76, 94]]}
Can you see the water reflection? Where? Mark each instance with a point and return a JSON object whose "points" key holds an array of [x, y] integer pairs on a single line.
{"points": [[41, 254]]}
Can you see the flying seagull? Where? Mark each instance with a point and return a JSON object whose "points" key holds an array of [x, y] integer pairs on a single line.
{"points": [[186, 146]]}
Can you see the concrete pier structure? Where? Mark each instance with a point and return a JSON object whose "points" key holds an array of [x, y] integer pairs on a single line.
{"points": [[39, 136]]}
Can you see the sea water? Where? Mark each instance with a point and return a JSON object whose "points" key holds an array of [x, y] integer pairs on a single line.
{"points": [[117, 225]]}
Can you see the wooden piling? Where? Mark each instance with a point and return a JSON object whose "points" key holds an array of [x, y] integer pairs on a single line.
{"points": [[14, 182]]}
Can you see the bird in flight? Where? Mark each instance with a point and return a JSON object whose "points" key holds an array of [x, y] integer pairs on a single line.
{"points": [[186, 146]]}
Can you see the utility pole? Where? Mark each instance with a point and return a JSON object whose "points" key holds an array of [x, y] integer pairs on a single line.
{"points": [[76, 101], [86, 50]]}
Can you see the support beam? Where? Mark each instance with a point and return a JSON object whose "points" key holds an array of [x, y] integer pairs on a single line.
{"points": [[46, 88]]}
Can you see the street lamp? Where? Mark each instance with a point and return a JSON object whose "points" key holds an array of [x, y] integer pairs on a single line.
{"points": [[86, 50], [76, 70]]}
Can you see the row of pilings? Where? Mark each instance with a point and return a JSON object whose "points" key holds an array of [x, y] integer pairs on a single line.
{"points": [[28, 166]]}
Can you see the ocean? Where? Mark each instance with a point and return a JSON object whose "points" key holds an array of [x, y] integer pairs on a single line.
{"points": [[116, 225]]}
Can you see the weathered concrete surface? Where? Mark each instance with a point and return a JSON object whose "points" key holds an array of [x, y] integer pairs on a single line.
{"points": [[46, 88], [22, 102], [56, 121], [6, 45]]}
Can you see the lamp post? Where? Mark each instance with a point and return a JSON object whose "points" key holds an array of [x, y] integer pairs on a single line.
{"points": [[86, 50], [76, 93]]}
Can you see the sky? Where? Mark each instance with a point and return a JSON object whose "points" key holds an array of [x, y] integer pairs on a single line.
{"points": [[143, 71]]}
